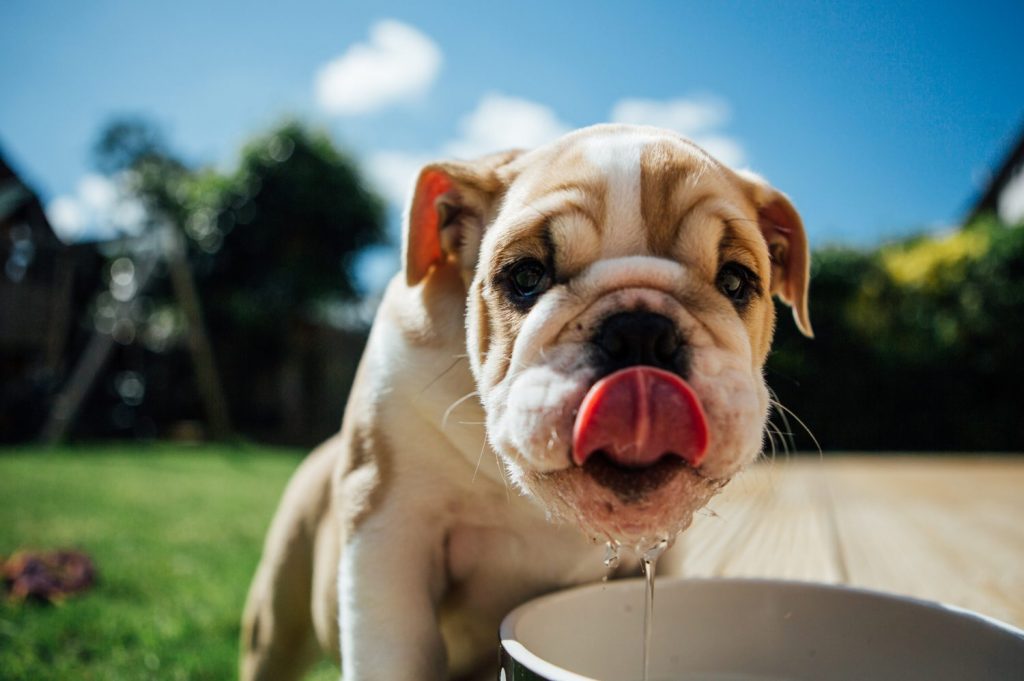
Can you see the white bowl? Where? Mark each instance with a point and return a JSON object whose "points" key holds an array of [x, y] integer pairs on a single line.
{"points": [[753, 630]]}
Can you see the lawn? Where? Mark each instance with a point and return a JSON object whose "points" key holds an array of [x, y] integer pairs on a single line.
{"points": [[175, 532]]}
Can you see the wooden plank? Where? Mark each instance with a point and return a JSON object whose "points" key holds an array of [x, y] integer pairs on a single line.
{"points": [[773, 521], [728, 522], [935, 529], [940, 528]]}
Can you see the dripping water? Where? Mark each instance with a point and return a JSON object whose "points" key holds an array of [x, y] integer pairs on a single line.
{"points": [[611, 558], [649, 562]]}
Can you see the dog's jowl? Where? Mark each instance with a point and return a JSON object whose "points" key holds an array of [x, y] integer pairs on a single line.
{"points": [[572, 355]]}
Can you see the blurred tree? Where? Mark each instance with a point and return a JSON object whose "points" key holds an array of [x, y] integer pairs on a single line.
{"points": [[133, 149], [126, 143], [275, 240], [268, 246], [917, 345], [273, 245]]}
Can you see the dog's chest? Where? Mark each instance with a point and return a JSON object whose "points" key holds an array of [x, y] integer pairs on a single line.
{"points": [[504, 561]]}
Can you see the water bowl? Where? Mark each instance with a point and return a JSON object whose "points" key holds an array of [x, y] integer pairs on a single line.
{"points": [[752, 630]]}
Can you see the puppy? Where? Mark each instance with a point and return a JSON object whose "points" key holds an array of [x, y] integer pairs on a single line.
{"points": [[576, 343]]}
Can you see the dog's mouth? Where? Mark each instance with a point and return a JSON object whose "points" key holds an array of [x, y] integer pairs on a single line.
{"points": [[632, 485], [634, 507], [639, 438], [638, 427]]}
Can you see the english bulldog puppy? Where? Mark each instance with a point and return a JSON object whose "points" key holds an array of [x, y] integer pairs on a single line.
{"points": [[573, 355]]}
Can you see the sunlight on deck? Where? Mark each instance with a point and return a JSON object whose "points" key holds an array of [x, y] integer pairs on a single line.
{"points": [[947, 529]]}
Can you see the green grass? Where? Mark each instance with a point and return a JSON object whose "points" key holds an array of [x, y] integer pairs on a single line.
{"points": [[175, 531]]}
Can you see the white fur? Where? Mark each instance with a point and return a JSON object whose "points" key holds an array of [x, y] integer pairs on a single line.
{"points": [[447, 512], [618, 160]]}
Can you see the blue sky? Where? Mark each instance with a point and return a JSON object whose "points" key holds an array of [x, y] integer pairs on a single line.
{"points": [[879, 119]]}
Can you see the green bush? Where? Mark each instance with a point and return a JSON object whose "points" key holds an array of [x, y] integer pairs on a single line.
{"points": [[916, 345]]}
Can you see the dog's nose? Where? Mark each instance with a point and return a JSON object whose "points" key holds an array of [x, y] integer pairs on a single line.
{"points": [[630, 338]]}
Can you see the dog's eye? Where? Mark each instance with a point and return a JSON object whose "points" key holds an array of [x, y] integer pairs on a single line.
{"points": [[738, 283], [528, 278]]}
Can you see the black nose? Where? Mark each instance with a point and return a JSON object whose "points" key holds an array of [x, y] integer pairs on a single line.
{"points": [[630, 338]]}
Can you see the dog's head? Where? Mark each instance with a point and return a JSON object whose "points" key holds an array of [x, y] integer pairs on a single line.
{"points": [[618, 316]]}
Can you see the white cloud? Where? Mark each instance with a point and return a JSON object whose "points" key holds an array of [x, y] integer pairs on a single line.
{"points": [[398, 64], [100, 208], [685, 116], [726, 149], [698, 118], [500, 122], [67, 216], [393, 172], [497, 123]]}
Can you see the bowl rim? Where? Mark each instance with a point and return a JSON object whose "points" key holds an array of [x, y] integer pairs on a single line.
{"points": [[537, 665]]}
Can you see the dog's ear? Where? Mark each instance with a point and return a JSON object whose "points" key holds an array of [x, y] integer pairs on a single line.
{"points": [[783, 231], [451, 204]]}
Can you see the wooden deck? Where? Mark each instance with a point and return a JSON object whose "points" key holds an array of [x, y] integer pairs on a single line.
{"points": [[949, 529]]}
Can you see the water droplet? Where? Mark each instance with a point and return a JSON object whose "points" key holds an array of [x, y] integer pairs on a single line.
{"points": [[649, 562], [611, 555]]}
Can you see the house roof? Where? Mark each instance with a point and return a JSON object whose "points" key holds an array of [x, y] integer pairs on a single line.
{"points": [[1009, 177], [18, 203]]}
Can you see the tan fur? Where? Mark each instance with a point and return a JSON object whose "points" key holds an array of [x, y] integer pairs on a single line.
{"points": [[403, 527]]}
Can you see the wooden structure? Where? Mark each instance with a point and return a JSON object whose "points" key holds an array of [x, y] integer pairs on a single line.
{"points": [[37, 280], [161, 245], [1002, 196], [941, 528]]}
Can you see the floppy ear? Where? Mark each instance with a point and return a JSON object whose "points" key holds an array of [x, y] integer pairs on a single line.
{"points": [[451, 204], [783, 231]]}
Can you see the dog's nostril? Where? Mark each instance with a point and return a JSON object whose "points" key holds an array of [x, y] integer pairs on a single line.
{"points": [[630, 338], [666, 346], [613, 345]]}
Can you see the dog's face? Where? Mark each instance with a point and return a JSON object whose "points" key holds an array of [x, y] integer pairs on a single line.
{"points": [[619, 314]]}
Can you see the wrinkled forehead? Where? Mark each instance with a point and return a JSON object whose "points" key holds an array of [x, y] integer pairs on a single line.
{"points": [[618, 191]]}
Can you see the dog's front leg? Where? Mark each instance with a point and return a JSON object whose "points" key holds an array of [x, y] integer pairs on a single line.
{"points": [[391, 581]]}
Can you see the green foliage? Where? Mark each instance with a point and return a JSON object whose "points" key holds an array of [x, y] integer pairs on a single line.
{"points": [[917, 345], [277, 237], [269, 246], [175, 533], [128, 142], [270, 240], [135, 149]]}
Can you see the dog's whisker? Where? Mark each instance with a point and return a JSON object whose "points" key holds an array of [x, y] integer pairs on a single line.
{"points": [[786, 444], [771, 441], [504, 478], [454, 405], [785, 437], [775, 402], [479, 459], [784, 408], [786, 441], [428, 386]]}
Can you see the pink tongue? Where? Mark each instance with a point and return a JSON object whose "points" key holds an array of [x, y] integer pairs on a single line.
{"points": [[637, 415]]}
